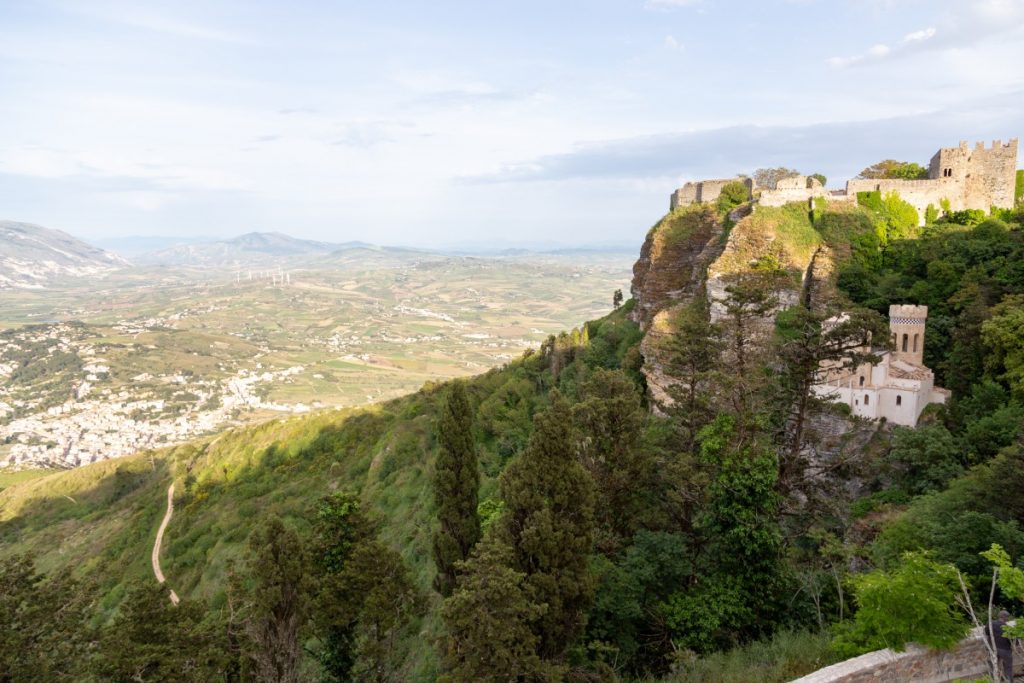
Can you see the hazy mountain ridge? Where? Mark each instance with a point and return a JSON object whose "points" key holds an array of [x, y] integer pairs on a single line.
{"points": [[32, 256], [250, 248]]}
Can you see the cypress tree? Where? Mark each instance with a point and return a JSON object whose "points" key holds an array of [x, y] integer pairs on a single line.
{"points": [[278, 602], [549, 525], [456, 484]]}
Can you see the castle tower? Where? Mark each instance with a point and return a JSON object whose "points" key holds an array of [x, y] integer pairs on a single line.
{"points": [[906, 323], [991, 175], [979, 177]]}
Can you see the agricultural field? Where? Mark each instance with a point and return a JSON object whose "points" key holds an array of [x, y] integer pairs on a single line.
{"points": [[150, 357]]}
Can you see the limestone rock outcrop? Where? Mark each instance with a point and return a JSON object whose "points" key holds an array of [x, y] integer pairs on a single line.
{"points": [[671, 270]]}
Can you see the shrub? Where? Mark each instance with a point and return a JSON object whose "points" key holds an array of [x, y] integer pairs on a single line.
{"points": [[916, 602], [733, 194]]}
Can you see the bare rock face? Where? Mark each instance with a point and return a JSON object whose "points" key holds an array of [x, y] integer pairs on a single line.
{"points": [[671, 271], [674, 260]]}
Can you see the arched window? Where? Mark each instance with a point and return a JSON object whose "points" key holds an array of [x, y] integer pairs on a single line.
{"points": [[906, 338], [915, 342], [867, 399], [862, 380], [899, 400]]}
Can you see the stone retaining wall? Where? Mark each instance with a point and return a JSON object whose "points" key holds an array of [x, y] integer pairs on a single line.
{"points": [[968, 661]]}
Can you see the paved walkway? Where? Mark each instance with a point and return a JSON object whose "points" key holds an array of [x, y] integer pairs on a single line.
{"points": [[160, 539]]}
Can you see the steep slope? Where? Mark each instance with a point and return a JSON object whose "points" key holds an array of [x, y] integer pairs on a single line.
{"points": [[102, 519], [32, 256]]}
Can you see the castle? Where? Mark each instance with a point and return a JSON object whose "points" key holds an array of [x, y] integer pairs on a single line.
{"points": [[896, 388], [968, 178]]}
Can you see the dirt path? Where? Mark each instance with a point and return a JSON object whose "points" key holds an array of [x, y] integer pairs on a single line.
{"points": [[160, 539]]}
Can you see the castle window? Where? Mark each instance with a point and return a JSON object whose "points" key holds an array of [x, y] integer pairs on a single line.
{"points": [[899, 400], [862, 380], [915, 342], [867, 399], [947, 173], [906, 338]]}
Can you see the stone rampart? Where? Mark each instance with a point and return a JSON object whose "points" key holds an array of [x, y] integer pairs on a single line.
{"points": [[967, 661], [705, 191]]}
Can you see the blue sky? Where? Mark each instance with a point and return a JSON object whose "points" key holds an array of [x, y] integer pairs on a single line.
{"points": [[439, 123]]}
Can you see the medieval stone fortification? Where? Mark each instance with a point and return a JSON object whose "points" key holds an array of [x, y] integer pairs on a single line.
{"points": [[968, 178]]}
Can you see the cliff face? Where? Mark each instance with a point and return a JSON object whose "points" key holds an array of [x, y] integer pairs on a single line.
{"points": [[674, 260], [671, 270]]}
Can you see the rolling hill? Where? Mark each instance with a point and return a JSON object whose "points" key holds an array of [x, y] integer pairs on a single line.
{"points": [[32, 256]]}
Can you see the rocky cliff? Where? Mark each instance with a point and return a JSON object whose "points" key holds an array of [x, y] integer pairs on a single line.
{"points": [[691, 252], [671, 270]]}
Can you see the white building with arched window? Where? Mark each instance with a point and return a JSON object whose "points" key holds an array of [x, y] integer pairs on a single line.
{"points": [[899, 386]]}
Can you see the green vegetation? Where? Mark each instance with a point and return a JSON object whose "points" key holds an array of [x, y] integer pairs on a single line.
{"points": [[916, 602], [892, 169], [750, 531], [732, 195], [456, 485], [9, 478], [779, 659], [1019, 188]]}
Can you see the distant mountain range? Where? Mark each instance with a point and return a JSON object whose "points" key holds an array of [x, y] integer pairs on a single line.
{"points": [[32, 256], [250, 248], [133, 245]]}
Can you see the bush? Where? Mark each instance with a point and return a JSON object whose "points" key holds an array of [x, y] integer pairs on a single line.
{"points": [[915, 603], [732, 195], [785, 656]]}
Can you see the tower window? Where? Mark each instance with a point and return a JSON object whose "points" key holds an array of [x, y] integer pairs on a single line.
{"points": [[899, 400], [906, 338], [947, 173], [867, 399], [915, 342], [862, 380]]}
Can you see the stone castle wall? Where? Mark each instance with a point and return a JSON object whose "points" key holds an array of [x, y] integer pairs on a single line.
{"points": [[968, 178], [705, 191], [919, 193]]}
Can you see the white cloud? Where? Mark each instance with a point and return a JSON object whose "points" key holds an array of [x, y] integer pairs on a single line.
{"points": [[919, 36], [183, 29], [881, 50], [672, 44]]}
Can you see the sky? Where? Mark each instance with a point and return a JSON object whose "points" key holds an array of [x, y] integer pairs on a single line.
{"points": [[482, 122]]}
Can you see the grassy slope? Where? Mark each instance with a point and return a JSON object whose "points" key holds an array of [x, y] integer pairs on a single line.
{"points": [[102, 518]]}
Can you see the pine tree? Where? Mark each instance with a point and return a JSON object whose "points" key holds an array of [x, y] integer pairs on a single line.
{"points": [[693, 354], [488, 621], [549, 525], [456, 484]]}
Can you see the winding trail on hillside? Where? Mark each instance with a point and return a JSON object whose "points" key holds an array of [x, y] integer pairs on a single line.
{"points": [[160, 539]]}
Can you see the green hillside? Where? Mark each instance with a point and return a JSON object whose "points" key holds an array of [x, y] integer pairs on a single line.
{"points": [[731, 535], [102, 518]]}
